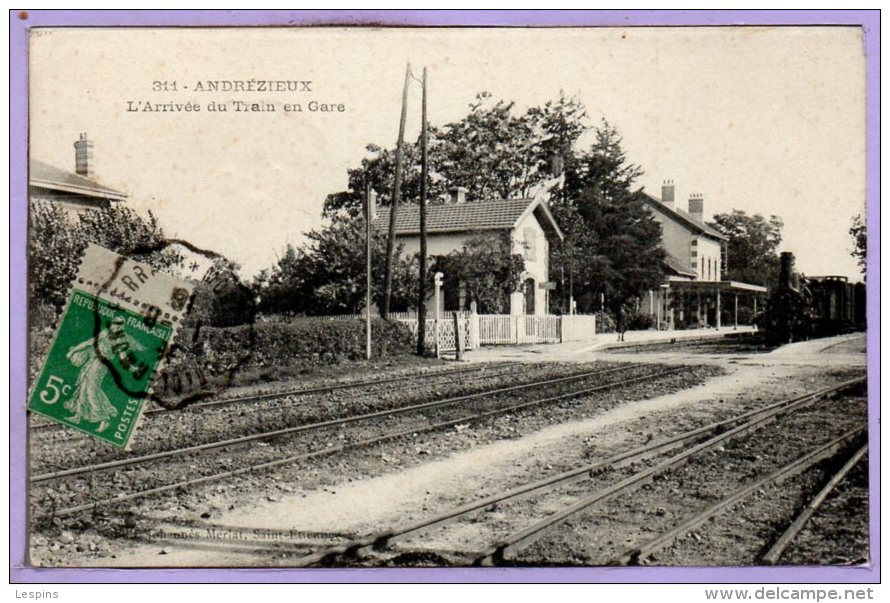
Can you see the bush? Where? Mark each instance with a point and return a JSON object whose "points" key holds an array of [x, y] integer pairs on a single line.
{"points": [[206, 360], [305, 342], [640, 322], [605, 323]]}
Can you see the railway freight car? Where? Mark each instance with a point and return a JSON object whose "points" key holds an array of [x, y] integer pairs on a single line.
{"points": [[831, 305]]}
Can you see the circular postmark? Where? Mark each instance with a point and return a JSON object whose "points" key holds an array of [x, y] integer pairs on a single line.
{"points": [[185, 366]]}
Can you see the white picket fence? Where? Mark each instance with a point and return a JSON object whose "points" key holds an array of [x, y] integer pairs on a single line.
{"points": [[498, 329], [495, 329]]}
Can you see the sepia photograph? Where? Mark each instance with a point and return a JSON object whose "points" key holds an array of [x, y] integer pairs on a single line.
{"points": [[363, 296]]}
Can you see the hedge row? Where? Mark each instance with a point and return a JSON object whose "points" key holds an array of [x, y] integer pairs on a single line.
{"points": [[300, 342]]}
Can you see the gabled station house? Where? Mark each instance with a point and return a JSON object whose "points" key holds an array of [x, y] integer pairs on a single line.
{"points": [[528, 222], [694, 293]]}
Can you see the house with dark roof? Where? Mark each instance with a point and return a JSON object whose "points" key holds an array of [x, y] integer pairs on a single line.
{"points": [[528, 222], [694, 291], [76, 191]]}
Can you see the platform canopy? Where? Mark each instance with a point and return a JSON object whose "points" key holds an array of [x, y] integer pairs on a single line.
{"points": [[712, 286]]}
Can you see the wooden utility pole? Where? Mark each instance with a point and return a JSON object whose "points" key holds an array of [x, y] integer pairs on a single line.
{"points": [[369, 216], [424, 169], [396, 196]]}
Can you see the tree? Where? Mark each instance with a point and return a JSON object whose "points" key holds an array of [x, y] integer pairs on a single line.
{"points": [[494, 151], [221, 299], [326, 275], [612, 244], [752, 248], [488, 269], [58, 241], [54, 251], [860, 242]]}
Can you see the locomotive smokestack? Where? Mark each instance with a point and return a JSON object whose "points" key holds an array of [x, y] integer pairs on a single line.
{"points": [[786, 270]]}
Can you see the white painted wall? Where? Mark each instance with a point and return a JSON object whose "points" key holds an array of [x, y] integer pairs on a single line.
{"points": [[529, 232], [677, 240], [530, 241]]}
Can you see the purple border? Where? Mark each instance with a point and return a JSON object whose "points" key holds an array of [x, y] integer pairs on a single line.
{"points": [[869, 20]]}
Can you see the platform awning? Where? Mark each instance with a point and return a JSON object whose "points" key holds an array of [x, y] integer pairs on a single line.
{"points": [[722, 286]]}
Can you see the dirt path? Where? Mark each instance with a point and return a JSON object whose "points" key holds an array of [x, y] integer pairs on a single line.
{"points": [[374, 503]]}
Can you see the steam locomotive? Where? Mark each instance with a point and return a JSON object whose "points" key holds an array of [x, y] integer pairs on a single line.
{"points": [[803, 307]]}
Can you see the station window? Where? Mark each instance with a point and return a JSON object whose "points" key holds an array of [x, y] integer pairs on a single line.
{"points": [[528, 233]]}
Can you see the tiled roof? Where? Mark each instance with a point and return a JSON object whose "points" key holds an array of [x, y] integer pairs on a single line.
{"points": [[677, 265], [683, 217], [453, 217], [48, 176]]}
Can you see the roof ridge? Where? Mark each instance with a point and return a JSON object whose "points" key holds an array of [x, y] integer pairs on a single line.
{"points": [[71, 179], [682, 213]]}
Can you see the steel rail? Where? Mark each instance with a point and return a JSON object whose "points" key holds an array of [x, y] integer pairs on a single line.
{"points": [[293, 404], [799, 465], [501, 550], [476, 416], [341, 386], [385, 538], [310, 427], [43, 427], [313, 390], [846, 339], [772, 556]]}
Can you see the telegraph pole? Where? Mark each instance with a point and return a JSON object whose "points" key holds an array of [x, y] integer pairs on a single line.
{"points": [[424, 168], [369, 233], [396, 196]]}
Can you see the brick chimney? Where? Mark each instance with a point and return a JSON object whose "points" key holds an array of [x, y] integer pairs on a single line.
{"points": [[667, 193], [83, 157], [458, 195], [697, 206]]}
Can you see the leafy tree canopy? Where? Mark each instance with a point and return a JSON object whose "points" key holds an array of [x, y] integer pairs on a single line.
{"points": [[58, 240], [612, 245], [860, 241], [489, 270], [326, 275], [495, 152], [752, 249]]}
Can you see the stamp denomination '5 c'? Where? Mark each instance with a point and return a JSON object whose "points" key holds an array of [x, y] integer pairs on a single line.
{"points": [[120, 318]]}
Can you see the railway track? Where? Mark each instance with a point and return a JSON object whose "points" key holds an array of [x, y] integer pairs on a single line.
{"points": [[845, 341], [693, 442], [506, 404], [784, 541], [484, 372], [808, 460], [315, 426]]}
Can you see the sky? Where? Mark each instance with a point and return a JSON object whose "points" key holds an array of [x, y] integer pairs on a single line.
{"points": [[767, 120]]}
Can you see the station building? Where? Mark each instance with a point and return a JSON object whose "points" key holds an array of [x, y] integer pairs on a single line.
{"points": [[694, 293], [528, 222]]}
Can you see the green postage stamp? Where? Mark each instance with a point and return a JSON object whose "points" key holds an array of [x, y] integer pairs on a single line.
{"points": [[120, 317]]}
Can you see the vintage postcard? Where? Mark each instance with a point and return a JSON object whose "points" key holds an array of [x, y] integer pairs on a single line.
{"points": [[575, 297]]}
